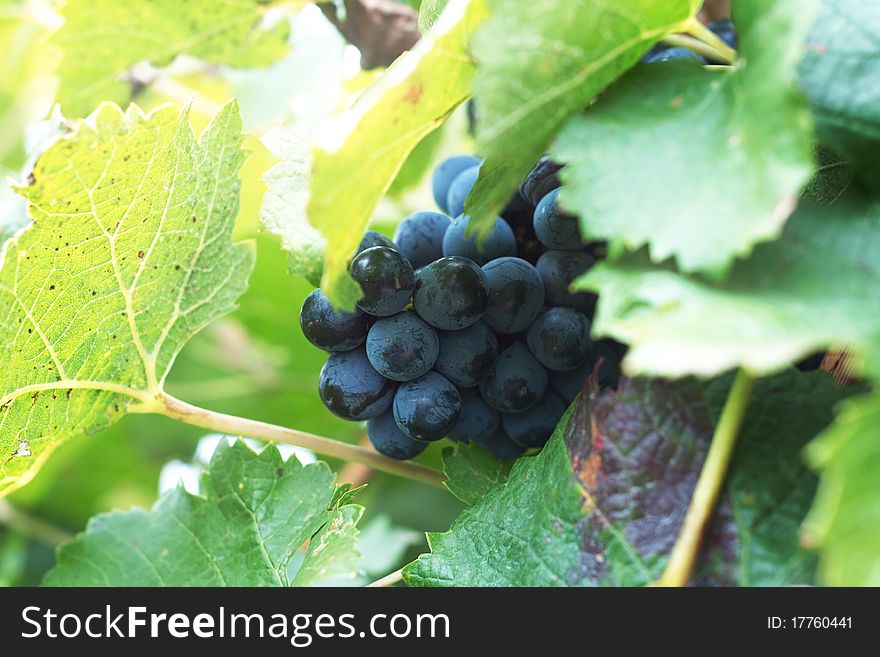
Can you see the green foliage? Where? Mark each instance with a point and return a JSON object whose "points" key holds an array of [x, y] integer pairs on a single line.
{"points": [[359, 152], [803, 293], [471, 471], [101, 40], [718, 157], [843, 523], [839, 76], [254, 513], [128, 257], [542, 61], [603, 502]]}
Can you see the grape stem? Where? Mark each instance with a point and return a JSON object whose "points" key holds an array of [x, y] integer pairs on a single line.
{"points": [[703, 34], [389, 580], [165, 404], [705, 497], [696, 46], [29, 526]]}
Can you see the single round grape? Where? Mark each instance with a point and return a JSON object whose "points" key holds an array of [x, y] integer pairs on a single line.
{"points": [[477, 421], [387, 438], [557, 270], [516, 295], [459, 190], [446, 172], [467, 356], [330, 329], [451, 293], [386, 278], [554, 228], [352, 389], [459, 242], [419, 237], [542, 179], [373, 238], [533, 428], [518, 382], [402, 347], [500, 446], [560, 339], [427, 408]]}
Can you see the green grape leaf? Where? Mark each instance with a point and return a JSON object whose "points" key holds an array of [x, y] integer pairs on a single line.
{"points": [[358, 153], [129, 255], [831, 178], [603, 502], [843, 522], [540, 62], [471, 471], [254, 513], [429, 12], [839, 76], [102, 39], [744, 134], [333, 552], [814, 288]]}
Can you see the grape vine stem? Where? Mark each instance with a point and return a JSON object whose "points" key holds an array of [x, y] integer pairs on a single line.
{"points": [[703, 34], [705, 497], [30, 526], [388, 580], [177, 409]]}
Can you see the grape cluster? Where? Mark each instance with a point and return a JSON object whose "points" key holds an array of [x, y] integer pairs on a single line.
{"points": [[475, 338]]}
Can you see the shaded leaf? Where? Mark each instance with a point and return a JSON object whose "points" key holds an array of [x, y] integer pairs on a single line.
{"points": [[718, 157], [471, 471], [542, 61], [840, 76], [255, 511], [129, 256], [831, 178], [102, 39], [602, 504], [816, 287], [843, 522]]}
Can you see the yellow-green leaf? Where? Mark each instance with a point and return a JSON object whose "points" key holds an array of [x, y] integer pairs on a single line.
{"points": [[128, 256], [103, 39], [358, 152]]}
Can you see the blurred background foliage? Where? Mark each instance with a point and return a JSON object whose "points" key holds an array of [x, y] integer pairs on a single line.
{"points": [[255, 362]]}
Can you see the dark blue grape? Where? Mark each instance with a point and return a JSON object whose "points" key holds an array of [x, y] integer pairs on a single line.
{"points": [[459, 190], [372, 238], [666, 54], [329, 329], [533, 428], [459, 242], [451, 293], [560, 339], [427, 408], [390, 441], [569, 384], [352, 389], [467, 356], [557, 270], [542, 179], [500, 446], [516, 295], [477, 421], [446, 172], [518, 382], [725, 31], [554, 228], [419, 237], [386, 278], [402, 347]]}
